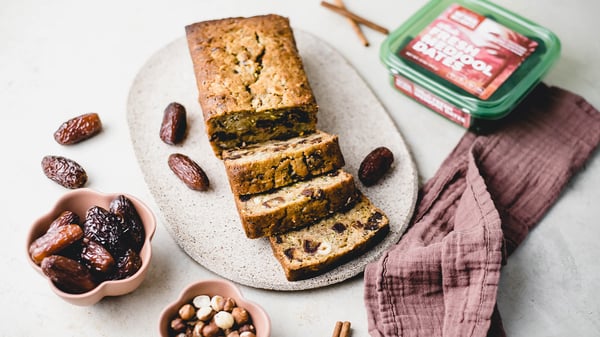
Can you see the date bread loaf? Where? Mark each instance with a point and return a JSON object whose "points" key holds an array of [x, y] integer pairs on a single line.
{"points": [[296, 205], [269, 165], [320, 247], [251, 81]]}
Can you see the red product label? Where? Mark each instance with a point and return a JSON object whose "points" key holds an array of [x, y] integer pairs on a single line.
{"points": [[433, 102], [469, 50]]}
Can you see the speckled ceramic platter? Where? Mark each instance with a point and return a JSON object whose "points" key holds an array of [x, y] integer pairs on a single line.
{"points": [[206, 224]]}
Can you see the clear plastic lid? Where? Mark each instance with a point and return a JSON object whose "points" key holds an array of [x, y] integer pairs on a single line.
{"points": [[473, 54]]}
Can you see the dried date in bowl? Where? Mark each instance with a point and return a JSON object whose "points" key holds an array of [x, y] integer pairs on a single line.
{"points": [[79, 201]]}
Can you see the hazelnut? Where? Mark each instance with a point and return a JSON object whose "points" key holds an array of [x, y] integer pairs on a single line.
{"points": [[210, 330], [233, 333], [217, 302], [201, 301], [224, 320], [247, 334], [247, 327], [229, 304], [187, 311], [178, 325], [240, 315], [204, 313], [197, 331]]}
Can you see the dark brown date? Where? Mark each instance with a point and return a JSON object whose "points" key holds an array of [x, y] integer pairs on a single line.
{"points": [[174, 124], [96, 258], [127, 265], [53, 241], [289, 253], [188, 171], [67, 274], [65, 218], [78, 129], [311, 246], [73, 251], [131, 224], [375, 165], [64, 171], [104, 228]]}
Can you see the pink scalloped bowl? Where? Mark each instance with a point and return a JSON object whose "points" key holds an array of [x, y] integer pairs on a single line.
{"points": [[213, 287], [79, 201]]}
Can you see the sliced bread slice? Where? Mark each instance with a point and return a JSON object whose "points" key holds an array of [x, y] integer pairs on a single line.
{"points": [[296, 205], [320, 247], [269, 165]]}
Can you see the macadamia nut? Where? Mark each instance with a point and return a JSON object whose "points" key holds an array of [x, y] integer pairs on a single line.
{"points": [[224, 320], [201, 301], [204, 313], [324, 248]]}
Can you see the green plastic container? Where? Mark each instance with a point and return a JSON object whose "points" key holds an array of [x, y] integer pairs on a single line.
{"points": [[469, 60]]}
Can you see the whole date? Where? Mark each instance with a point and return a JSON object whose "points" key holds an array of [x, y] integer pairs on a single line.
{"points": [[78, 129], [64, 171]]}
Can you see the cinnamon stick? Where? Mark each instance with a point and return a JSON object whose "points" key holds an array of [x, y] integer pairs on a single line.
{"points": [[355, 17], [342, 329], [354, 24], [337, 329], [345, 332]]}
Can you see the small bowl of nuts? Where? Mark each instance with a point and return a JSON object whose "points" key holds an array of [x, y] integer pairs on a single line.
{"points": [[212, 308], [91, 245]]}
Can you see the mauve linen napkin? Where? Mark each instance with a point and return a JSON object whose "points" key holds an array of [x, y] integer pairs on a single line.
{"points": [[441, 279]]}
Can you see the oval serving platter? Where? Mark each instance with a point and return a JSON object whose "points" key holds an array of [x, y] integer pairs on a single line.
{"points": [[206, 224]]}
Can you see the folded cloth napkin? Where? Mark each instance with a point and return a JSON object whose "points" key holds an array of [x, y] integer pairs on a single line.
{"points": [[441, 279]]}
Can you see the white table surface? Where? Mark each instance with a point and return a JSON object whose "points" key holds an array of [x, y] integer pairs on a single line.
{"points": [[62, 58]]}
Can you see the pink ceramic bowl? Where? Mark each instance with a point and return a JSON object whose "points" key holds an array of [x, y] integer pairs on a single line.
{"points": [[213, 287], [79, 201]]}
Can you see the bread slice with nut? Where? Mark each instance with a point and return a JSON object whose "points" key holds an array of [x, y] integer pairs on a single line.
{"points": [[296, 205], [320, 247], [269, 165]]}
